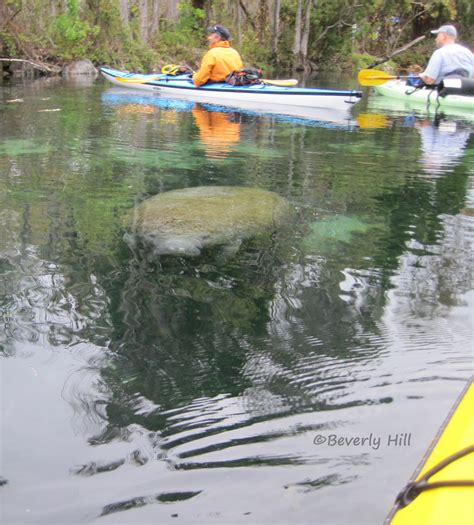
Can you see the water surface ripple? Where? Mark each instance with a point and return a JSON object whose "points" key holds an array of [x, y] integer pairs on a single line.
{"points": [[228, 387]]}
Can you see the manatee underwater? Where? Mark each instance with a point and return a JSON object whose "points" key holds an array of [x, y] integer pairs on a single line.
{"points": [[183, 222]]}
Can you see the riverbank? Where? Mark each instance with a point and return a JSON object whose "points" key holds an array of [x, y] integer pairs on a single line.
{"points": [[285, 37]]}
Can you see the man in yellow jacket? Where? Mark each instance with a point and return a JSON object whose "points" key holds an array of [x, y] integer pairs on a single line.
{"points": [[220, 60]]}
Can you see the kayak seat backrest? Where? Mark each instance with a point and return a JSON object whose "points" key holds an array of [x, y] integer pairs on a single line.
{"points": [[456, 86]]}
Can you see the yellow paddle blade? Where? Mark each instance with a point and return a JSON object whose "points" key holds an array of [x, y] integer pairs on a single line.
{"points": [[373, 77], [289, 82]]}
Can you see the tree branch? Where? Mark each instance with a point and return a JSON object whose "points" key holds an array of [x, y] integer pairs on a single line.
{"points": [[397, 52], [346, 11], [246, 13], [410, 21], [11, 16]]}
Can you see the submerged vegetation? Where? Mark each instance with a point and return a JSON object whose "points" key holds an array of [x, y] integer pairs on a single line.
{"points": [[288, 34]]}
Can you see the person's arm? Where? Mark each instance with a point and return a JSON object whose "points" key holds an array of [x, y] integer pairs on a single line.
{"points": [[426, 79], [204, 73], [431, 73]]}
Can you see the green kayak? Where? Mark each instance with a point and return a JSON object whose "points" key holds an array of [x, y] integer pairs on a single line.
{"points": [[422, 99]]}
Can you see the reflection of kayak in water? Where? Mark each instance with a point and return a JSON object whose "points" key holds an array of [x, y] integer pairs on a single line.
{"points": [[426, 99], [442, 490], [317, 117]]}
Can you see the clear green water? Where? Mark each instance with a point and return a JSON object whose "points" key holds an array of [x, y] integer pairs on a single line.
{"points": [[141, 389]]}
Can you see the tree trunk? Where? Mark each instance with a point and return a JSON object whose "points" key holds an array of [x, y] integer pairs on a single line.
{"points": [[209, 13], [155, 18], [297, 41], [262, 20], [172, 10], [124, 13], [143, 11], [275, 30], [238, 21], [305, 36]]}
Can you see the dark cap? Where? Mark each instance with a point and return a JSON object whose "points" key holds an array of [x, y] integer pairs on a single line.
{"points": [[222, 31]]}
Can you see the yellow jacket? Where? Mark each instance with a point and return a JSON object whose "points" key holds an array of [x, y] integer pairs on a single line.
{"points": [[217, 63]]}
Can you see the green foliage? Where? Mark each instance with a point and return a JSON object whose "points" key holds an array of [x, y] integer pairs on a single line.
{"points": [[73, 34], [443, 9], [342, 34], [191, 19], [253, 53], [8, 44], [362, 60], [177, 39], [189, 29]]}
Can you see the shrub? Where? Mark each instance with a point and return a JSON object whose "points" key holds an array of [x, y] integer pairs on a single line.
{"points": [[73, 35]]}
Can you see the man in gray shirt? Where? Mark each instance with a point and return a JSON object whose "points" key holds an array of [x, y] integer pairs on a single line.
{"points": [[450, 59]]}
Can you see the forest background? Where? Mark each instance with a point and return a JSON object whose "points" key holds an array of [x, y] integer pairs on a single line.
{"points": [[310, 35]]}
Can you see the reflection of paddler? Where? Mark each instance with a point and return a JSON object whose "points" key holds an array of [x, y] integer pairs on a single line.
{"points": [[217, 131], [442, 144]]}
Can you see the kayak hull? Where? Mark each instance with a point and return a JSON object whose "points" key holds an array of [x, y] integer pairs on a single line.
{"points": [[182, 87], [319, 117], [428, 98], [442, 505]]}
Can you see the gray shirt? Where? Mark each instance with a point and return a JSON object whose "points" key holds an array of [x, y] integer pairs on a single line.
{"points": [[447, 59]]}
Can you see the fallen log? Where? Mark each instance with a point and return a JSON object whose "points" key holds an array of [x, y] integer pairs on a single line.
{"points": [[45, 68]]}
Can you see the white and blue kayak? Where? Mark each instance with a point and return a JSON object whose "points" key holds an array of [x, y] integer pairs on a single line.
{"points": [[263, 94]]}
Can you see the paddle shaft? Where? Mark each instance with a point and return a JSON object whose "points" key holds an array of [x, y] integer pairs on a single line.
{"points": [[387, 77]]}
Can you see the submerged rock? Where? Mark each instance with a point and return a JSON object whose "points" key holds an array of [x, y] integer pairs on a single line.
{"points": [[183, 222], [79, 67]]}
